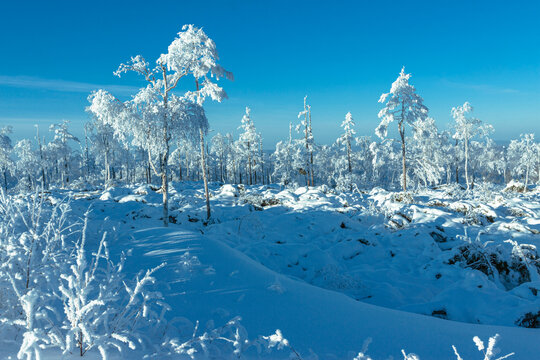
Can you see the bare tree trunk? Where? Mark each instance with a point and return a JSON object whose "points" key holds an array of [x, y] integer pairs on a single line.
{"points": [[107, 169], [311, 148], [179, 166], [526, 178], [165, 188], [187, 165], [307, 145], [43, 182], [466, 140], [402, 134], [221, 169], [249, 165], [165, 159], [349, 154], [205, 179], [86, 159], [457, 163], [81, 352]]}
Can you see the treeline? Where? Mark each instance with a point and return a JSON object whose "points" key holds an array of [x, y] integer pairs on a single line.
{"points": [[433, 158], [161, 134]]}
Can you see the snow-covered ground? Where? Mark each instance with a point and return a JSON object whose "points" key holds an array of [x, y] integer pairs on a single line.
{"points": [[420, 272]]}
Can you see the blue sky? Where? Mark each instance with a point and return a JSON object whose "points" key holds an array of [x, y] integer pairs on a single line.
{"points": [[342, 54]]}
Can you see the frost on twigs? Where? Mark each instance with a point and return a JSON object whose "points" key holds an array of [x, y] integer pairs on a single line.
{"points": [[59, 300], [489, 353], [103, 311]]}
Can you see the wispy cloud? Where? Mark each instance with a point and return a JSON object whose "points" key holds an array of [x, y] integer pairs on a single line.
{"points": [[29, 82], [485, 88]]}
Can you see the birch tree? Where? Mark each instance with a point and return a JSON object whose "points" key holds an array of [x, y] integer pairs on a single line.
{"points": [[428, 156], [248, 145], [156, 113], [345, 140], [283, 160], [308, 141], [60, 146], [466, 128], [523, 153], [27, 163], [404, 106], [6, 164]]}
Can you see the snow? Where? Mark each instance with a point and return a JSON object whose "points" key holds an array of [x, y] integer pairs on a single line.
{"points": [[313, 271], [328, 323]]}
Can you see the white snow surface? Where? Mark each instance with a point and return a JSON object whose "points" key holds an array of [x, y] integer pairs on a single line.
{"points": [[332, 270]]}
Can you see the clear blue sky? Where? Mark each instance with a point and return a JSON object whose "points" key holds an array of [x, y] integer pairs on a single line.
{"points": [[342, 54]]}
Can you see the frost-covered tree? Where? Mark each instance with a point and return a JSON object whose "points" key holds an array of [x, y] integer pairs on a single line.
{"points": [[345, 173], [466, 128], [385, 162], [6, 164], [60, 149], [538, 163], [42, 158], [484, 159], [156, 113], [524, 155], [27, 163], [346, 138], [221, 148], [248, 146], [428, 158], [364, 160], [405, 107], [104, 144], [307, 143], [283, 160]]}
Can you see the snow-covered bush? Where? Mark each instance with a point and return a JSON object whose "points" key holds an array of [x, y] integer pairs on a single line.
{"points": [[31, 258], [489, 353], [56, 298], [508, 264], [104, 310]]}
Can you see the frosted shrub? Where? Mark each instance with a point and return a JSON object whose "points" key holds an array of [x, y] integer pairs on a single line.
{"points": [[32, 239], [102, 311], [507, 263], [489, 353], [56, 298], [229, 341]]}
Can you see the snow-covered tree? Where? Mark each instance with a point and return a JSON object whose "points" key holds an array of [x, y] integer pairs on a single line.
{"points": [[385, 162], [466, 128], [405, 107], [42, 159], [307, 143], [345, 173], [156, 113], [248, 146], [6, 164], [524, 153], [27, 163], [483, 160], [347, 137], [283, 160], [60, 149], [105, 145], [427, 156], [220, 147]]}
